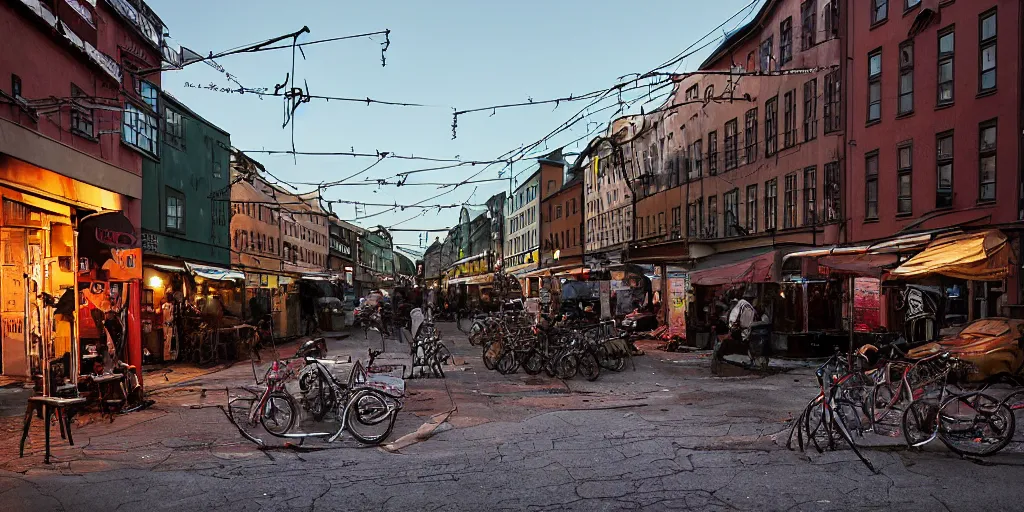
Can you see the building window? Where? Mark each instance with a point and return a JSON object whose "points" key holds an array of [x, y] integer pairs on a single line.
{"points": [[810, 196], [551, 186], [875, 86], [751, 209], [809, 24], [174, 129], [711, 228], [661, 222], [732, 212], [871, 185], [904, 177], [906, 92], [149, 93], [16, 87], [947, 45], [81, 117], [731, 145], [987, 162], [832, 195], [771, 204], [692, 92], [175, 213], [713, 153], [558, 212], [786, 41], [697, 154], [789, 120], [910, 4], [832, 20], [944, 169], [833, 96], [677, 219], [691, 219], [750, 134], [789, 210], [879, 11], [140, 129], [810, 110], [771, 126], [766, 55], [987, 42]]}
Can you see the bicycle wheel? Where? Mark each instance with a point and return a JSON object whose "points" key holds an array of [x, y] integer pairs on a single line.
{"points": [[443, 356], [919, 422], [615, 364], [884, 411], [321, 397], [507, 363], [976, 424], [279, 413], [567, 366], [368, 417], [588, 366], [491, 353], [533, 363], [820, 431]]}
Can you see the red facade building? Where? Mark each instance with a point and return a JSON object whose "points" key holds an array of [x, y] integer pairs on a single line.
{"points": [[934, 124], [746, 154], [79, 111], [561, 229]]}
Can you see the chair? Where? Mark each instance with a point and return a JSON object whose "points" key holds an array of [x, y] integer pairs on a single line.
{"points": [[62, 403]]}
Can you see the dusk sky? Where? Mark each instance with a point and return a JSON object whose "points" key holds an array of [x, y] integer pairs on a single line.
{"points": [[446, 54]]}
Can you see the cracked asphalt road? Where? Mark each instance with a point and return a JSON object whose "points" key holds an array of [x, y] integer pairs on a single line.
{"points": [[665, 437]]}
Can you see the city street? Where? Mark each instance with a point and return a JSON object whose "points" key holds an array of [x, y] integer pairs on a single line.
{"points": [[664, 436]]}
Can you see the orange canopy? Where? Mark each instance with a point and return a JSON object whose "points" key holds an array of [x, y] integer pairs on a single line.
{"points": [[981, 256]]}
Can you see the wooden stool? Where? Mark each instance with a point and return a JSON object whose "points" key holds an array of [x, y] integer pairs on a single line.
{"points": [[64, 407]]}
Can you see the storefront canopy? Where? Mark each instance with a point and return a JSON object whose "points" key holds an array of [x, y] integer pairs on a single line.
{"points": [[865, 265], [481, 279], [757, 269], [214, 273], [982, 256]]}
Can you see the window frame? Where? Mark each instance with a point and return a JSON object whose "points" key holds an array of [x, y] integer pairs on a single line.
{"points": [[176, 140], [906, 69], [941, 161], [180, 200], [833, 192], [142, 120], [874, 81], [871, 181], [810, 110], [734, 195], [789, 207], [984, 44], [876, 7], [83, 121], [150, 97], [17, 87], [713, 153], [832, 111], [984, 153], [811, 196], [750, 134], [711, 228], [732, 154], [808, 24], [751, 209], [901, 172], [786, 41], [790, 132], [766, 54], [771, 204], [771, 126], [943, 58]]}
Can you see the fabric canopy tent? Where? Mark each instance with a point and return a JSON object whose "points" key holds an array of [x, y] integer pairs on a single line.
{"points": [[982, 256], [753, 270], [214, 273], [866, 265]]}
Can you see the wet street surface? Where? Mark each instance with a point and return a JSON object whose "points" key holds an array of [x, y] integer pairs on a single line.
{"points": [[664, 435]]}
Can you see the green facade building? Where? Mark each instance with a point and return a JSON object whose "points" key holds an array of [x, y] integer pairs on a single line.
{"points": [[186, 211]]}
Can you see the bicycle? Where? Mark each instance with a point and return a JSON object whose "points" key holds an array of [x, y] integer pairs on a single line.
{"points": [[968, 423], [357, 404]]}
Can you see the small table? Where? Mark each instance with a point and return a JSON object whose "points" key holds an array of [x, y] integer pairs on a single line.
{"points": [[64, 408], [111, 395]]}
